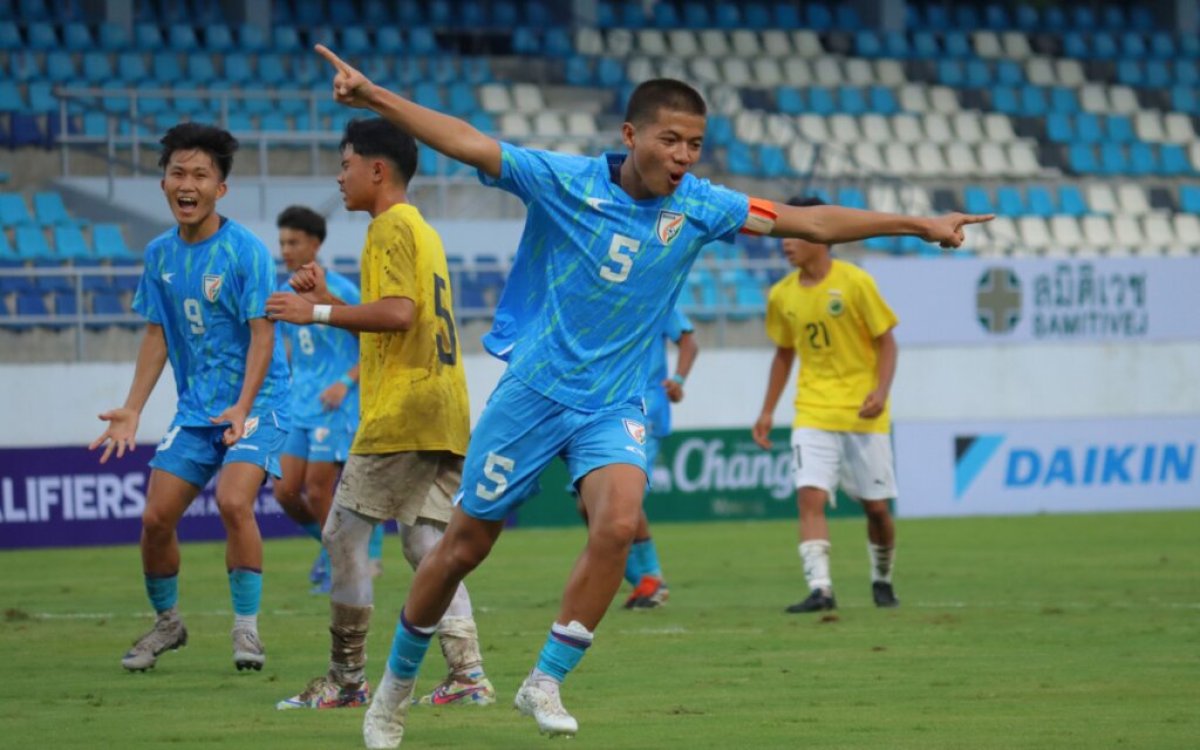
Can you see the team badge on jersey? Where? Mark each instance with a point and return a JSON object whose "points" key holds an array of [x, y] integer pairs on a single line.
{"points": [[251, 427], [669, 225], [636, 431], [836, 305], [212, 286], [320, 434]]}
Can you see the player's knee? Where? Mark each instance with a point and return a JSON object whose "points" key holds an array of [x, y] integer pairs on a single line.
{"points": [[876, 510], [156, 524], [462, 555], [234, 513]]}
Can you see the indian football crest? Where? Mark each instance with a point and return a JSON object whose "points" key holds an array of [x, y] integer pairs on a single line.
{"points": [[251, 427], [320, 434], [836, 305], [636, 430], [669, 225], [212, 286]]}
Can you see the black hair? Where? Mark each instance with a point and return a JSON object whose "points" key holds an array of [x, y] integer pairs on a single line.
{"points": [[219, 144], [303, 219], [378, 137], [662, 93], [804, 201]]}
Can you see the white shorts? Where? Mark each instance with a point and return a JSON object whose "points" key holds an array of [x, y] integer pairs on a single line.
{"points": [[861, 462]]}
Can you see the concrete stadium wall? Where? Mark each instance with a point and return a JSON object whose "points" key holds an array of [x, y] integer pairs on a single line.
{"points": [[45, 405]]}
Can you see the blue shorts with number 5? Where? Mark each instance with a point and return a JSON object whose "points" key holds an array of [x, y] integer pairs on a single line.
{"points": [[519, 434], [195, 454]]}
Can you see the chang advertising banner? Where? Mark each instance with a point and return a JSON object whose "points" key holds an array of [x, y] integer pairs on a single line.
{"points": [[1010, 468], [63, 497], [700, 475], [997, 301]]}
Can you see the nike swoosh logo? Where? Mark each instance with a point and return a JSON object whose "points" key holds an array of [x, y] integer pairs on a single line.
{"points": [[596, 203], [167, 277]]}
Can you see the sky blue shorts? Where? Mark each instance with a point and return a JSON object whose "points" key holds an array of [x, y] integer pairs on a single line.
{"points": [[329, 443], [521, 431], [195, 454]]}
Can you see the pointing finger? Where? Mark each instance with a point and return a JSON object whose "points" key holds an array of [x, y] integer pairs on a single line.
{"points": [[333, 59], [977, 218]]}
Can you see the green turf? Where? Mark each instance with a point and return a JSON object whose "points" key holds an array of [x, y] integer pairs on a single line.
{"points": [[1039, 632]]}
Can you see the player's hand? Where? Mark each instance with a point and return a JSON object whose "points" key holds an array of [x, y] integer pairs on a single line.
{"points": [[872, 405], [947, 230], [122, 426], [350, 86], [674, 390], [333, 396], [290, 308], [762, 431], [236, 417], [309, 281]]}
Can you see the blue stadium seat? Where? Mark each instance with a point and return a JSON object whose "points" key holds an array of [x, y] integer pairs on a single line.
{"points": [[1009, 201], [851, 100], [719, 131], [773, 163], [867, 43], [285, 39], [1082, 158], [109, 243], [1041, 202], [789, 100], [578, 71], [166, 68], [354, 39], [1143, 160], [1163, 45], [1130, 73], [77, 37], [113, 37], [31, 303], [739, 160], [1119, 129], [1059, 128], [1158, 74], [131, 68], [200, 68], [69, 243], [957, 44], [977, 201], [478, 70], [237, 69], [147, 37], [31, 243], [1070, 201], [271, 70], [60, 67], [41, 36], [218, 38], [320, 34], [251, 38], [1088, 127], [1184, 99], [1063, 99], [49, 209], [978, 74], [182, 38], [754, 15], [1112, 159], [1186, 73], [462, 101], [786, 15], [557, 43], [42, 99], [1104, 46], [1174, 160], [106, 303], [96, 68], [851, 197], [1132, 45], [422, 42], [388, 41], [10, 36], [1033, 101], [13, 211], [820, 100], [1009, 73], [1189, 199]]}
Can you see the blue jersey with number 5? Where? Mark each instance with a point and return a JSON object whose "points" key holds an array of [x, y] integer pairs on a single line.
{"points": [[320, 356], [597, 272], [204, 296]]}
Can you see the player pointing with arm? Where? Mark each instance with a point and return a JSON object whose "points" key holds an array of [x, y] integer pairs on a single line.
{"points": [[607, 246], [203, 293]]}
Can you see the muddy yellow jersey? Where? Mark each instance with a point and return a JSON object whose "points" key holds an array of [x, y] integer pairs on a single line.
{"points": [[832, 325], [413, 393]]}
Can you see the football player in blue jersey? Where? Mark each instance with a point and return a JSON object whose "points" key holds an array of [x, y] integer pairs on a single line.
{"points": [[606, 250], [203, 292], [324, 404]]}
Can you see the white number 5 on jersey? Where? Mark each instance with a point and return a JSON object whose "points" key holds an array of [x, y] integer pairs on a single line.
{"points": [[623, 260]]}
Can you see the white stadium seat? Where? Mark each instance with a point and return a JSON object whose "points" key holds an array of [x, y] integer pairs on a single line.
{"points": [[890, 73], [1097, 231], [937, 128], [844, 128], [767, 72], [1022, 159], [736, 71], [1065, 231], [875, 128], [961, 160], [992, 160], [1016, 45], [589, 42], [914, 97], [1122, 100], [1131, 199], [779, 129], [582, 124], [683, 43], [1039, 71], [907, 128], [1148, 126], [1100, 198], [1034, 233], [527, 98], [968, 127], [713, 43], [807, 43], [1158, 231], [828, 72], [652, 42], [998, 128], [1093, 97], [899, 160], [549, 125], [867, 156], [813, 128], [618, 42], [494, 98], [745, 43], [748, 127], [777, 43], [797, 72], [513, 125], [930, 161], [859, 73], [943, 99], [986, 44], [1070, 72], [1178, 128]]}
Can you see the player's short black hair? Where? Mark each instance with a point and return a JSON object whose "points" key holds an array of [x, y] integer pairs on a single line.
{"points": [[187, 136], [805, 200], [376, 136], [304, 219], [662, 93]]}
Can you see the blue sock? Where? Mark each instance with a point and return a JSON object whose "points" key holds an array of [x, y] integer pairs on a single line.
{"points": [[313, 529], [633, 567], [245, 588], [565, 646], [409, 645], [649, 557], [163, 591], [375, 549]]}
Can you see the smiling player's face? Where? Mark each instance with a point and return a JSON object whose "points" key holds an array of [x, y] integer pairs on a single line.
{"points": [[192, 184], [665, 149]]}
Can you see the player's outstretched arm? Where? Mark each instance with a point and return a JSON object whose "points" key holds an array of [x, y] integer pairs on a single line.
{"points": [[451, 136], [831, 225], [123, 422], [381, 316]]}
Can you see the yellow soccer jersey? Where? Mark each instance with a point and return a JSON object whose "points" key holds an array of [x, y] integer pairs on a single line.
{"points": [[832, 326], [413, 392]]}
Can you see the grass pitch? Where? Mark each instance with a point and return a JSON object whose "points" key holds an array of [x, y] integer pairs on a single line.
{"points": [[1037, 632]]}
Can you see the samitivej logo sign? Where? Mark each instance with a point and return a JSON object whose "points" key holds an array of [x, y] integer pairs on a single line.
{"points": [[998, 300]]}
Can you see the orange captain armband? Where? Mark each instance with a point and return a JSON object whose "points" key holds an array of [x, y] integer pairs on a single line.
{"points": [[762, 216]]}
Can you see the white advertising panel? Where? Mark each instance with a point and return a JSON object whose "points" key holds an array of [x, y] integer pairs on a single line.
{"points": [[997, 301], [1009, 468]]}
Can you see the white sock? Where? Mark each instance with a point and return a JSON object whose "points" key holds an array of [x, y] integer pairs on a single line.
{"points": [[881, 561], [544, 681], [246, 621], [815, 555]]}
